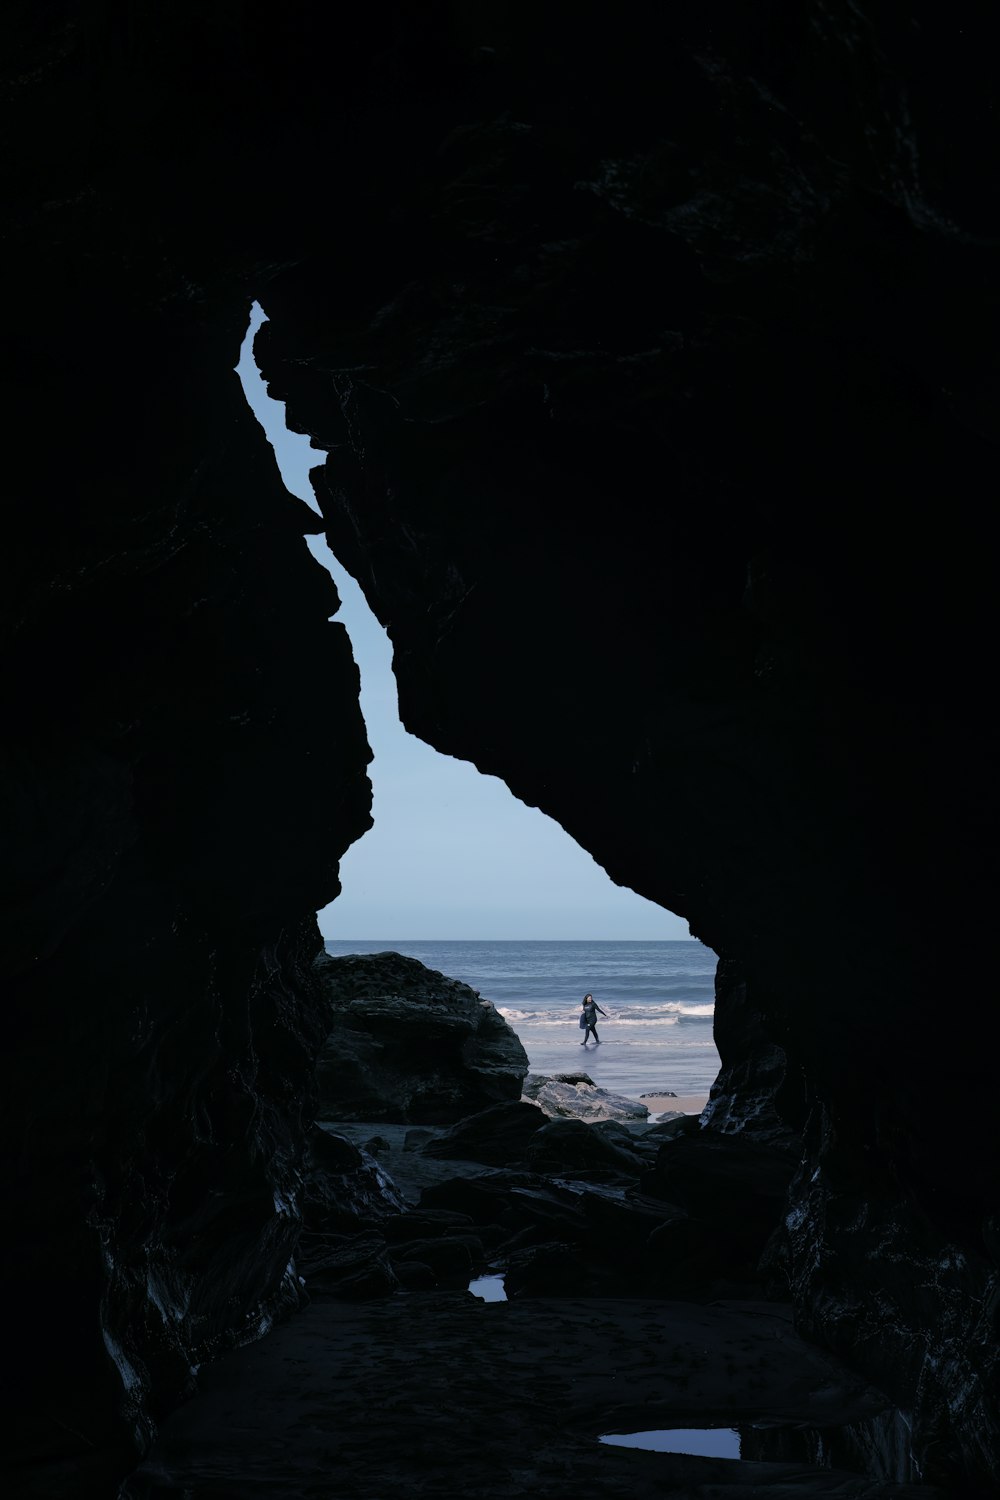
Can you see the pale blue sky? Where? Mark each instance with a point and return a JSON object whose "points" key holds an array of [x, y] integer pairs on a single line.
{"points": [[453, 854]]}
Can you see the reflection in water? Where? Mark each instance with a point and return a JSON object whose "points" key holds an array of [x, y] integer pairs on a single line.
{"points": [[878, 1447], [489, 1288], [705, 1442]]}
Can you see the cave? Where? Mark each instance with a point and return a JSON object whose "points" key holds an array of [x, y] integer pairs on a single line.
{"points": [[654, 357]]}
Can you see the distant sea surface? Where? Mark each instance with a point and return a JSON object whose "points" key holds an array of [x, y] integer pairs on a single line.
{"points": [[659, 996]]}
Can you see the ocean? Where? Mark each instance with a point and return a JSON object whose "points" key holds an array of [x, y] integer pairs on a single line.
{"points": [[659, 997]]}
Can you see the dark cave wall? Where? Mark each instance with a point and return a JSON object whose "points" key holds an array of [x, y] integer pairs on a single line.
{"points": [[184, 757], [186, 763], [658, 443], [656, 362]]}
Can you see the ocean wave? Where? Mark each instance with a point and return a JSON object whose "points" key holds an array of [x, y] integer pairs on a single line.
{"points": [[668, 1014], [680, 1010], [526, 1017]]}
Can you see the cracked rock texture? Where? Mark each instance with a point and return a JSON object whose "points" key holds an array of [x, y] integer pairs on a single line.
{"points": [[408, 1043], [654, 354]]}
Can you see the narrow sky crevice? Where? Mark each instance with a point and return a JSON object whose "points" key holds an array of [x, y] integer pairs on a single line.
{"points": [[453, 853]]}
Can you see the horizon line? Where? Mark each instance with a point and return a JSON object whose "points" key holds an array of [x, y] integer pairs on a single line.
{"points": [[330, 938]]}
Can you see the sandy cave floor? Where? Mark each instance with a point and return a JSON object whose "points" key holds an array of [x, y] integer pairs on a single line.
{"points": [[440, 1393]]}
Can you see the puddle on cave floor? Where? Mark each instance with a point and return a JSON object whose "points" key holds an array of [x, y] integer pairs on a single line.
{"points": [[489, 1288], [703, 1442], [877, 1447]]}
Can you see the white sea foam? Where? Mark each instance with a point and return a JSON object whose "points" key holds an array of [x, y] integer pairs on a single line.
{"points": [[667, 1014]]}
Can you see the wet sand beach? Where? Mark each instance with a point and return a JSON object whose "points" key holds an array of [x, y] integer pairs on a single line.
{"points": [[685, 1104]]}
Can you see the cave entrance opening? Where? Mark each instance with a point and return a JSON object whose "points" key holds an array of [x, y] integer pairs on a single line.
{"points": [[459, 874]]}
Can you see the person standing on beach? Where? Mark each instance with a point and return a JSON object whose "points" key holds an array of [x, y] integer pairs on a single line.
{"points": [[588, 1019]]}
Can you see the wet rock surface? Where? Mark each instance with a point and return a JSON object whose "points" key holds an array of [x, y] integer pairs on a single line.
{"points": [[561, 1205], [576, 1096]]}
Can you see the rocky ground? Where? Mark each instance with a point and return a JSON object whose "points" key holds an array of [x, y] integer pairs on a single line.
{"points": [[397, 1380], [398, 1149]]}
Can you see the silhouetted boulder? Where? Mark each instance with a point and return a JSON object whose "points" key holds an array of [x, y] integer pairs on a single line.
{"points": [[726, 1180], [485, 1200], [424, 1223], [573, 1145], [344, 1188], [451, 1257], [497, 1136], [406, 1043], [354, 1267]]}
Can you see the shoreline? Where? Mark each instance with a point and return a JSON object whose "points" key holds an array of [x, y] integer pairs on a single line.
{"points": [[685, 1104]]}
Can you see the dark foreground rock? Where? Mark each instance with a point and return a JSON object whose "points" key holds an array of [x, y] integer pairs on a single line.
{"points": [[560, 1207], [607, 1211], [496, 1136], [396, 1380], [440, 1394], [407, 1043], [344, 1188]]}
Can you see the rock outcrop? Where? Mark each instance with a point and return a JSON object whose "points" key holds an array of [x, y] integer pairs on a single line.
{"points": [[407, 1043], [576, 1096], [494, 1136]]}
